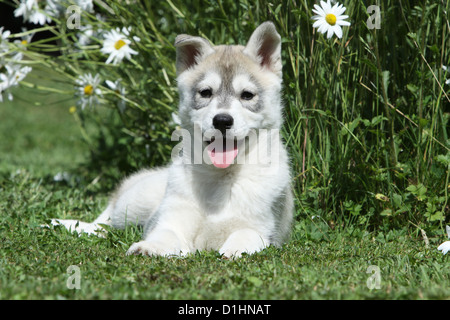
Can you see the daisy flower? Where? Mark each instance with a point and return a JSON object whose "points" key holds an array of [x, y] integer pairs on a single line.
{"points": [[117, 45], [330, 19], [16, 73], [30, 11], [11, 78], [25, 9], [4, 86], [55, 8], [118, 88], [445, 247], [4, 43], [12, 70], [25, 40], [85, 5], [85, 34], [87, 90]]}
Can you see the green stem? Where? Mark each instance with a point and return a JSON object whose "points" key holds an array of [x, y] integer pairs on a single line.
{"points": [[43, 88], [393, 153]]}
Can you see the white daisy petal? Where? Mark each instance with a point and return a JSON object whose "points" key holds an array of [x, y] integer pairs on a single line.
{"points": [[335, 8], [342, 10], [317, 24], [323, 28], [338, 31], [338, 9], [110, 84], [330, 33], [326, 5], [318, 10], [343, 23], [110, 58], [329, 18]]}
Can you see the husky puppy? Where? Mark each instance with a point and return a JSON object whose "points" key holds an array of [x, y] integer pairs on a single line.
{"points": [[228, 187]]}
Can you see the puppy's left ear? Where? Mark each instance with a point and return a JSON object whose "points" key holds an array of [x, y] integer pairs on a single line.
{"points": [[265, 46], [190, 51]]}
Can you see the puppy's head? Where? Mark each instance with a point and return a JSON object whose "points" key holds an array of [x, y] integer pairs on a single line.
{"points": [[230, 90]]}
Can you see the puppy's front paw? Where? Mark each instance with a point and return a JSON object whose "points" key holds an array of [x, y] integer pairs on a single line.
{"points": [[147, 248], [242, 241], [232, 253], [235, 251]]}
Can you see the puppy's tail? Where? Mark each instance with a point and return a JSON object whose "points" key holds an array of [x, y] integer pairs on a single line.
{"points": [[80, 227]]}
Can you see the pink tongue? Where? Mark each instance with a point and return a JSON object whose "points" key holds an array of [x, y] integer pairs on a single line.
{"points": [[221, 158]]}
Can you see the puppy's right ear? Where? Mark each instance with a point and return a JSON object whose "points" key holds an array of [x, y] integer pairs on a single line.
{"points": [[190, 51]]}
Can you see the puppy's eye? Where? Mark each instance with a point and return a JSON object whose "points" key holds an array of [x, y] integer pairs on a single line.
{"points": [[247, 95], [205, 93]]}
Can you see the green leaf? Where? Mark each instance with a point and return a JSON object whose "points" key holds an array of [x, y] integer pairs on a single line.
{"points": [[255, 281], [412, 35], [412, 88], [444, 159], [396, 200], [385, 76]]}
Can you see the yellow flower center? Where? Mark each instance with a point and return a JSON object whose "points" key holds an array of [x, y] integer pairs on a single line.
{"points": [[88, 90], [24, 42], [331, 19], [119, 44]]}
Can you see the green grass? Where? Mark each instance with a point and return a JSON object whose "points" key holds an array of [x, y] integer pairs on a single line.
{"points": [[318, 263], [33, 124], [367, 130]]}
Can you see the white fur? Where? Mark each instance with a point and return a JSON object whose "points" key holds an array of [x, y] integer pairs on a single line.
{"points": [[212, 80], [187, 207]]}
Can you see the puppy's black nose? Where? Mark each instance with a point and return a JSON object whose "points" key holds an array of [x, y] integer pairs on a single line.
{"points": [[222, 122]]}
